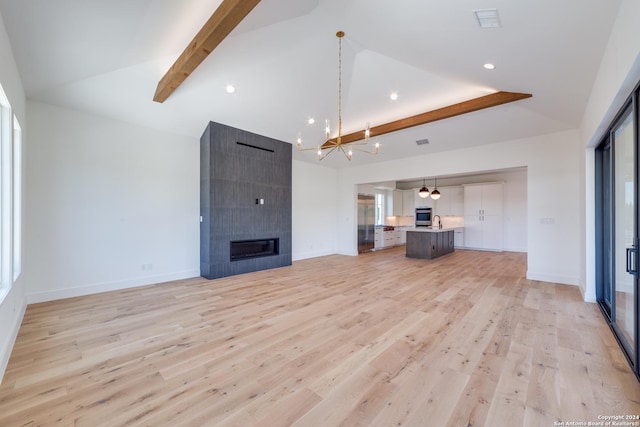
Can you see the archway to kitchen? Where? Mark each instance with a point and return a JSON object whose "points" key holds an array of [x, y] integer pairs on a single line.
{"points": [[504, 228]]}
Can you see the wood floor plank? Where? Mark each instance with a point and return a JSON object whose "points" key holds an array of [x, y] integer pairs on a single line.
{"points": [[374, 340]]}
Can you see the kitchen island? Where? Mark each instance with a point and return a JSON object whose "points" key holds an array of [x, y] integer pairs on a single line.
{"points": [[429, 243]]}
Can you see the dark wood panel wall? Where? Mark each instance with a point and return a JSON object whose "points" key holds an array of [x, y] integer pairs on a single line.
{"points": [[238, 168]]}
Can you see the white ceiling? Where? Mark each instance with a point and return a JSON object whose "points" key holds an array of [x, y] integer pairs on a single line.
{"points": [[107, 56]]}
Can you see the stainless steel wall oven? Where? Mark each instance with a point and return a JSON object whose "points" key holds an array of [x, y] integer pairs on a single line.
{"points": [[423, 217]]}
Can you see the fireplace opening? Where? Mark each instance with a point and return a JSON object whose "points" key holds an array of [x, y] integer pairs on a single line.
{"points": [[246, 249]]}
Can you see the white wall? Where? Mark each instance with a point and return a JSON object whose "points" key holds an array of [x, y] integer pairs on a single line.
{"points": [[618, 74], [110, 204], [115, 205], [552, 192], [314, 210], [13, 304]]}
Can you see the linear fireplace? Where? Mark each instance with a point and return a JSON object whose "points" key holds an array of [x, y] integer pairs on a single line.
{"points": [[245, 202], [246, 249]]}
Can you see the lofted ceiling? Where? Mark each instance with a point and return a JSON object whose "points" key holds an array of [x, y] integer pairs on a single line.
{"points": [[107, 57]]}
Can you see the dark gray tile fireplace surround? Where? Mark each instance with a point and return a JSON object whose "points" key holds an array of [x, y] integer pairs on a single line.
{"points": [[245, 202]]}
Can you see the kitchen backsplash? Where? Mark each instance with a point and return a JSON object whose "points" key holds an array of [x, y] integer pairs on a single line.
{"points": [[447, 221], [452, 221], [398, 221]]}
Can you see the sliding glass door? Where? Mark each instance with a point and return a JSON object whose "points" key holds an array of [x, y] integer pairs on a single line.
{"points": [[617, 229], [625, 249]]}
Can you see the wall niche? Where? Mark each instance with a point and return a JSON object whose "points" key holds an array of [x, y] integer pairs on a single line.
{"points": [[245, 202]]}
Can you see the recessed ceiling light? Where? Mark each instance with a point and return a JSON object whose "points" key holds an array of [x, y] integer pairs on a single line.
{"points": [[230, 88], [393, 96], [311, 120], [489, 66]]}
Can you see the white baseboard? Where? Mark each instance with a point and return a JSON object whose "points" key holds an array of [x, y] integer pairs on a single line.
{"points": [[565, 280], [588, 296], [12, 334], [348, 253], [37, 297], [307, 255]]}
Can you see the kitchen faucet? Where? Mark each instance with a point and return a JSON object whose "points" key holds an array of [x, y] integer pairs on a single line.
{"points": [[439, 221]]}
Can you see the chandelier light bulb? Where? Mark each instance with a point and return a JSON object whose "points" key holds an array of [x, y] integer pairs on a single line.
{"points": [[327, 128], [311, 120], [393, 96], [367, 132], [230, 88]]}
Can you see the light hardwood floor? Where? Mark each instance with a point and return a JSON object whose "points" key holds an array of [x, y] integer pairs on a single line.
{"points": [[374, 340]]}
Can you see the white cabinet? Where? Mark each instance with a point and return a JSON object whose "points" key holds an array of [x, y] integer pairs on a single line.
{"points": [[408, 203], [483, 216], [441, 206], [398, 237], [492, 199], [388, 238], [473, 232], [402, 234], [403, 203], [458, 237], [456, 201], [492, 232], [397, 203], [419, 202], [451, 202]]}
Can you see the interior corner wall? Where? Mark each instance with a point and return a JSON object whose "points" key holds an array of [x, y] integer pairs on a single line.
{"points": [[553, 234], [110, 205], [314, 210], [618, 74], [13, 305]]}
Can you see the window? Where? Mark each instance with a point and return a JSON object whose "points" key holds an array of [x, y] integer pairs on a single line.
{"points": [[17, 199], [10, 196], [5, 191], [380, 202]]}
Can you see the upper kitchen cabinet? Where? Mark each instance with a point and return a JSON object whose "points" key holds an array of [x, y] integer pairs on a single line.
{"points": [[419, 202], [408, 203], [451, 201], [403, 203], [397, 203]]}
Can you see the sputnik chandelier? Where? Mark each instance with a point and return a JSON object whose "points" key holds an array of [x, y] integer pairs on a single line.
{"points": [[332, 145]]}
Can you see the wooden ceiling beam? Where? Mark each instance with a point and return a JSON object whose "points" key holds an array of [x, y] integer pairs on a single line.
{"points": [[469, 106], [225, 18]]}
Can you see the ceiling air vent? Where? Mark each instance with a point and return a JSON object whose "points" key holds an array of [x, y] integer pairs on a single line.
{"points": [[422, 141], [487, 18]]}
